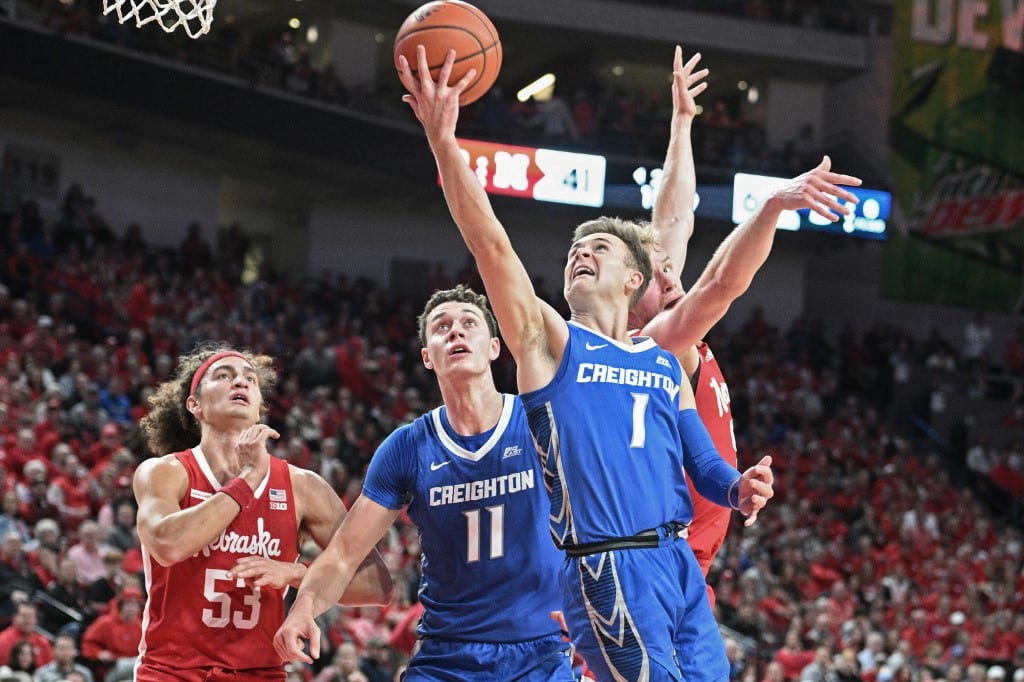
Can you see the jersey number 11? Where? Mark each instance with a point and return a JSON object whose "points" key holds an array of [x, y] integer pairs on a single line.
{"points": [[473, 540]]}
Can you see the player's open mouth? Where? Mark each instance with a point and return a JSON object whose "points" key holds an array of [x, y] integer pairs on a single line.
{"points": [[240, 398], [458, 350], [582, 270], [673, 303]]}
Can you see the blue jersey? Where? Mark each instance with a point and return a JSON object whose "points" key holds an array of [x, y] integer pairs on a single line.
{"points": [[607, 428], [490, 568]]}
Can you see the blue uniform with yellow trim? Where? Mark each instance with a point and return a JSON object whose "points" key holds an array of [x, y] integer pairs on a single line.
{"points": [[490, 569], [614, 445]]}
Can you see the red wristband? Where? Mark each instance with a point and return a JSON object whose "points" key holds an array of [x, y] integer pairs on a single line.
{"points": [[239, 491]]}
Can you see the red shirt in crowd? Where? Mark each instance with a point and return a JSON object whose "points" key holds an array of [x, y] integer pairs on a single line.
{"points": [[12, 635]]}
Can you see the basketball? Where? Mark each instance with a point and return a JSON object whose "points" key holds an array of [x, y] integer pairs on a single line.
{"points": [[451, 24]]}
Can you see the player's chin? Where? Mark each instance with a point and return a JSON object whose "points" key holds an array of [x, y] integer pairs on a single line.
{"points": [[460, 360]]}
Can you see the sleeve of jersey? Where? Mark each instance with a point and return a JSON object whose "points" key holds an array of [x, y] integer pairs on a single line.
{"points": [[389, 473], [711, 475]]}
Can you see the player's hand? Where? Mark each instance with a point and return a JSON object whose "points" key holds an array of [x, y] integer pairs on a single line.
{"points": [[297, 628], [686, 84], [260, 572], [756, 488], [434, 102], [253, 454], [818, 189], [559, 618], [577, 660]]}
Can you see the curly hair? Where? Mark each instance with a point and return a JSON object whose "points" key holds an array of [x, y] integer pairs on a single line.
{"points": [[633, 235], [462, 294], [169, 426]]}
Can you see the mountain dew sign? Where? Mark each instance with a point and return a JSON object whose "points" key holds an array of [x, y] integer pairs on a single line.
{"points": [[957, 133]]}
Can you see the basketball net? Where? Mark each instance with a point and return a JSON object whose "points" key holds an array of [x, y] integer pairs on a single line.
{"points": [[194, 16]]}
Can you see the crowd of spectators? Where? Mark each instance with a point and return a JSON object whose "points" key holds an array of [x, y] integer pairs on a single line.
{"points": [[877, 560], [610, 119]]}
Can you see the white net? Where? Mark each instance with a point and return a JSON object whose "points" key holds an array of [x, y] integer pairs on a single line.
{"points": [[194, 16]]}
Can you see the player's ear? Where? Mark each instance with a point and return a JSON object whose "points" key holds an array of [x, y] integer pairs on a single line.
{"points": [[635, 280], [192, 405], [495, 348], [426, 358]]}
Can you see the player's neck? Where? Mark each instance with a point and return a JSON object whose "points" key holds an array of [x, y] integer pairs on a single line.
{"points": [[611, 323], [219, 450], [472, 407]]}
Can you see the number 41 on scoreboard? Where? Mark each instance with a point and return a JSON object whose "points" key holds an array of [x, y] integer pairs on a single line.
{"points": [[539, 174]]}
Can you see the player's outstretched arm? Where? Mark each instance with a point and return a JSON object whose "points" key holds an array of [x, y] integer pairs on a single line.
{"points": [[523, 317], [321, 513], [732, 267], [329, 577], [672, 215]]}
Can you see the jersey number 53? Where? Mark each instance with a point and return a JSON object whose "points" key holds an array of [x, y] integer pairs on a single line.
{"points": [[222, 615]]}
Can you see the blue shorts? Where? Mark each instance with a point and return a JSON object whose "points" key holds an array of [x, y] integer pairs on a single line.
{"points": [[547, 659], [644, 614]]}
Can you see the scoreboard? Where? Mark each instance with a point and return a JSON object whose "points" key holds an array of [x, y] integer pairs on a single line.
{"points": [[591, 180], [539, 174], [868, 219]]}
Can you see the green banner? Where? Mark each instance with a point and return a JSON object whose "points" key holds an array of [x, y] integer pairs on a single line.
{"points": [[922, 270], [957, 128]]}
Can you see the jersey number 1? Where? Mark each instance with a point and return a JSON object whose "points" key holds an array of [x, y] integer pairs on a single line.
{"points": [[639, 436], [473, 541]]}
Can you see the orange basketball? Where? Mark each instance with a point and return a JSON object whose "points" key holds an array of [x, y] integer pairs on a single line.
{"points": [[451, 24]]}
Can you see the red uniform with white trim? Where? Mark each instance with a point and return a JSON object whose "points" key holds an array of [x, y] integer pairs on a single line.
{"points": [[197, 624], [710, 521]]}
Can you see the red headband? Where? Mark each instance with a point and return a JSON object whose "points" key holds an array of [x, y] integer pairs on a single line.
{"points": [[198, 376]]}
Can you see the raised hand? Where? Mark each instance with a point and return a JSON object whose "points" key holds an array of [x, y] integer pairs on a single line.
{"points": [[253, 455], [434, 102], [686, 84], [817, 190]]}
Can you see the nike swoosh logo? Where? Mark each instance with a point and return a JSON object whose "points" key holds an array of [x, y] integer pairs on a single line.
{"points": [[592, 346], [434, 466]]}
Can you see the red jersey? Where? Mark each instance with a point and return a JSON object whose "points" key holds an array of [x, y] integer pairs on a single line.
{"points": [[710, 521], [195, 617], [110, 632]]}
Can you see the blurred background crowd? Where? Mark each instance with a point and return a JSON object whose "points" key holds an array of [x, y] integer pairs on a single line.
{"points": [[892, 550]]}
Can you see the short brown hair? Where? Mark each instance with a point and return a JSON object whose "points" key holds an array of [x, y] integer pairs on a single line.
{"points": [[632, 235], [462, 294]]}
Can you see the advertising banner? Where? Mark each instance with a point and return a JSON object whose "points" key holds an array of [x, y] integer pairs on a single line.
{"points": [[957, 130]]}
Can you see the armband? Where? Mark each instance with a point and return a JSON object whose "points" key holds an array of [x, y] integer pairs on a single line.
{"points": [[239, 491], [729, 495]]}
